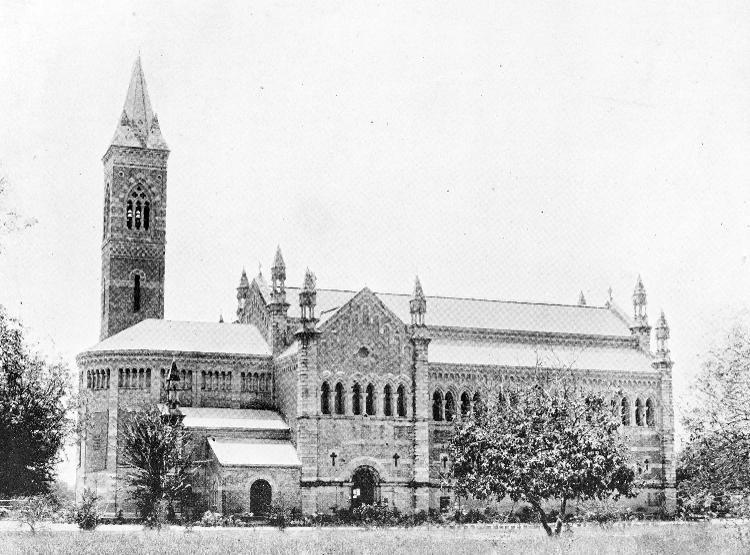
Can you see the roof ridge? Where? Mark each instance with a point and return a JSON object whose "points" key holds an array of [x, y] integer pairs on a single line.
{"points": [[407, 295]]}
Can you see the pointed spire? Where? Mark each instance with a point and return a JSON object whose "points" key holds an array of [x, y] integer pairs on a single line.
{"points": [[221, 317], [309, 284], [639, 303], [244, 282], [138, 125], [581, 299], [639, 293], [418, 304], [662, 336], [418, 293], [278, 261], [307, 297]]}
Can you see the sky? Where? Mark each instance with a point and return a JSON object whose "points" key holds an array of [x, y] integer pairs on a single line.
{"points": [[517, 151]]}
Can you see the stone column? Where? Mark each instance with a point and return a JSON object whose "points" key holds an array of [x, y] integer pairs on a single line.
{"points": [[307, 423], [421, 401], [666, 429]]}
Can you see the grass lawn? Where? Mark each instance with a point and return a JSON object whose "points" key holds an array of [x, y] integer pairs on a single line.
{"points": [[703, 538]]}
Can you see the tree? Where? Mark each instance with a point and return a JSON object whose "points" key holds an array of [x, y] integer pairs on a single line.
{"points": [[160, 455], [34, 402], [715, 463], [553, 443]]}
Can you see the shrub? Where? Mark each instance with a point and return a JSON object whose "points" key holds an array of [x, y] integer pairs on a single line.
{"points": [[32, 510], [87, 512]]}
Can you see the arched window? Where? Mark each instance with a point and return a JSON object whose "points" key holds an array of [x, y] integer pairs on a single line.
{"points": [[401, 401], [370, 400], [129, 215], [450, 407], [356, 399], [325, 402], [136, 293], [339, 398], [437, 406], [625, 411], [387, 407], [639, 420], [138, 214], [146, 214], [465, 404], [650, 413]]}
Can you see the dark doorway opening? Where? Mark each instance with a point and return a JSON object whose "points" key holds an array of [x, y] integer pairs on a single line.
{"points": [[365, 487], [260, 498]]}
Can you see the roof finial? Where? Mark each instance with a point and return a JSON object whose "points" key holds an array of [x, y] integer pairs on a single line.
{"points": [[581, 299], [221, 317]]}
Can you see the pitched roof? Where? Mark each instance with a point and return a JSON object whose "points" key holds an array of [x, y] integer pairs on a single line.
{"points": [[138, 125], [260, 453], [189, 337], [244, 419], [525, 355], [488, 314]]}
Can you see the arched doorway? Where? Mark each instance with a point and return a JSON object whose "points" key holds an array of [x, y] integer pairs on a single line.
{"points": [[260, 497], [365, 487]]}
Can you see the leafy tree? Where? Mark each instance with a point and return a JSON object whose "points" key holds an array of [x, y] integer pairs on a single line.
{"points": [[160, 455], [714, 469], [554, 442], [34, 402]]}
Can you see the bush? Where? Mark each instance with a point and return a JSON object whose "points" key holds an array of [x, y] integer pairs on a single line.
{"points": [[210, 518], [33, 510], [87, 512]]}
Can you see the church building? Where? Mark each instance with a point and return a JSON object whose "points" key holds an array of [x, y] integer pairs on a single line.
{"points": [[322, 398]]}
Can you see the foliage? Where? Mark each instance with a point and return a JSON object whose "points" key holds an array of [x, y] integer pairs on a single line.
{"points": [[33, 510], [159, 455], [87, 511], [33, 414], [556, 442], [713, 473]]}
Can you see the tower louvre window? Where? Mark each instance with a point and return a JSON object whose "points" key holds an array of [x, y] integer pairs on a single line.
{"points": [[129, 215], [146, 214], [138, 214], [136, 293]]}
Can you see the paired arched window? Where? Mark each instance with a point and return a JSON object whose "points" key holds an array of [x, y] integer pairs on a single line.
{"points": [[465, 404], [650, 413], [339, 399], [639, 416], [356, 399], [325, 398], [401, 404], [387, 406], [437, 406], [370, 400], [450, 407], [625, 411], [136, 293]]}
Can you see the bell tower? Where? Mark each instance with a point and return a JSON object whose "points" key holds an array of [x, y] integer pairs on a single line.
{"points": [[135, 209]]}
